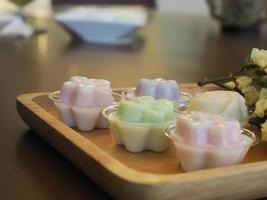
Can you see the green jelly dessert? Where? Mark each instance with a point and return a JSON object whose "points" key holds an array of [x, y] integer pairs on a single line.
{"points": [[145, 110], [139, 124]]}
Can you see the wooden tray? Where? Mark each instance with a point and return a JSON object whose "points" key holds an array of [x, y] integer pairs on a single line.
{"points": [[145, 175]]}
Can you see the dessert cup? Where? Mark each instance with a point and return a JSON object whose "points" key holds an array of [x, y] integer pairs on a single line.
{"points": [[220, 102], [137, 137], [194, 157], [180, 104], [85, 118]]}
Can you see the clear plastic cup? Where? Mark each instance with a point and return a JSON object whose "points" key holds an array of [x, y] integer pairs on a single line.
{"points": [[85, 118], [180, 104], [194, 157], [137, 137]]}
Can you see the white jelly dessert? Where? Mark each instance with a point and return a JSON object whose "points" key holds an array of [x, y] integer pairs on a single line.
{"points": [[139, 124], [204, 140], [81, 101], [227, 103]]}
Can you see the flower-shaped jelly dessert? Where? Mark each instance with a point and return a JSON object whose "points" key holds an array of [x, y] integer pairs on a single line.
{"points": [[81, 101], [158, 89], [204, 140], [227, 103], [139, 124]]}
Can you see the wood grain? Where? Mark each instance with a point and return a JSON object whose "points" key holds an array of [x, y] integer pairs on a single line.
{"points": [[145, 175]]}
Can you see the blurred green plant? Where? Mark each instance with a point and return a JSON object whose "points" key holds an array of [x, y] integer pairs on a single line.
{"points": [[21, 2]]}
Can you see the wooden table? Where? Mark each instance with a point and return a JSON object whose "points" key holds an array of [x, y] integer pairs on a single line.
{"points": [[184, 48]]}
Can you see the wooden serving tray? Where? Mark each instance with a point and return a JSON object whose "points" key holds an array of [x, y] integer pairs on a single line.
{"points": [[145, 175]]}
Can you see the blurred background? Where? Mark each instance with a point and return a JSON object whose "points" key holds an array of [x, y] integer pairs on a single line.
{"points": [[184, 7], [177, 6]]}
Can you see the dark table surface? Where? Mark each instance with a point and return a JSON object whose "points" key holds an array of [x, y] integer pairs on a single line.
{"points": [[184, 48]]}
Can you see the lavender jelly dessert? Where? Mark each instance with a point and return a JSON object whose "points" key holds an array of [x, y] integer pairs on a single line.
{"points": [[158, 89]]}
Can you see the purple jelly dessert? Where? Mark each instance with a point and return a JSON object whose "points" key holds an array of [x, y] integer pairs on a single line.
{"points": [[158, 89]]}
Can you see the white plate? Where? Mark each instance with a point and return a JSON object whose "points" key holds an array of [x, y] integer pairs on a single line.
{"points": [[105, 25]]}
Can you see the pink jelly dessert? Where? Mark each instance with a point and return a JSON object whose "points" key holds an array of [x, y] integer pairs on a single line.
{"points": [[158, 89], [204, 141], [81, 101]]}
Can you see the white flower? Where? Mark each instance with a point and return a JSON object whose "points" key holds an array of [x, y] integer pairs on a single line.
{"points": [[230, 84], [243, 81], [264, 131], [259, 57], [261, 107], [251, 94]]}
